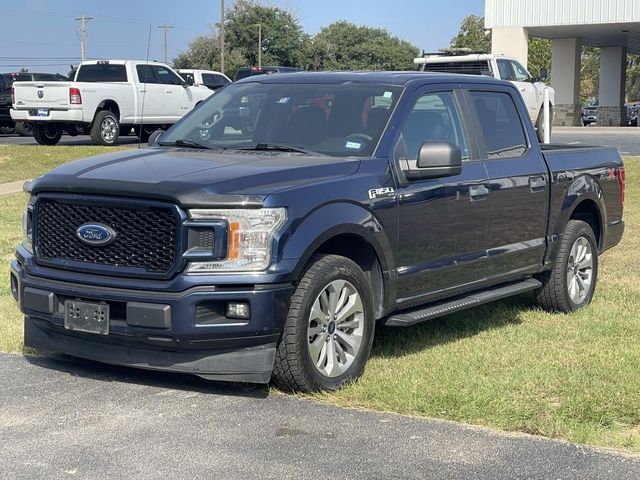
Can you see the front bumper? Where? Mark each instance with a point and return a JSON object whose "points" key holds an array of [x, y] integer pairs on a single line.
{"points": [[55, 116], [185, 338]]}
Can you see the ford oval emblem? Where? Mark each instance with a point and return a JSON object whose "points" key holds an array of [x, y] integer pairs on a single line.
{"points": [[95, 234]]}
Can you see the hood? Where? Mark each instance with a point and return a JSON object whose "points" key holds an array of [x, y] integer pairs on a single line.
{"points": [[191, 177]]}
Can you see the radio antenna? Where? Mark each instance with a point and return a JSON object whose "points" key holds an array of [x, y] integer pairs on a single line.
{"points": [[144, 91]]}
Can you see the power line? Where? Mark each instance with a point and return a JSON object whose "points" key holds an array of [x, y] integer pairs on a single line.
{"points": [[82, 30], [165, 27]]}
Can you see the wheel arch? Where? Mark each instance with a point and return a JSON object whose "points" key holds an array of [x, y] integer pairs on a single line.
{"points": [[109, 105]]}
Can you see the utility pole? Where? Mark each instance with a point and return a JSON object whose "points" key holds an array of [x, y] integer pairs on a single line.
{"points": [[259, 45], [222, 36], [165, 27], [82, 31]]}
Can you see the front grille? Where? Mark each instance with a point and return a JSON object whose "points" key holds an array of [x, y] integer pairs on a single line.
{"points": [[145, 237]]}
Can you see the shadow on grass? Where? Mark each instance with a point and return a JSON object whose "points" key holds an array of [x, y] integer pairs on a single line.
{"points": [[78, 367], [399, 341]]}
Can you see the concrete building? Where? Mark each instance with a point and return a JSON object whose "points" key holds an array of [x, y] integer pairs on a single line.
{"points": [[611, 25]]}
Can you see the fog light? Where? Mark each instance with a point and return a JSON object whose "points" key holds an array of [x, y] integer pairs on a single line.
{"points": [[238, 310]]}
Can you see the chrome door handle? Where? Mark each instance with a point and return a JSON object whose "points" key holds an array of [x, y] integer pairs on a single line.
{"points": [[478, 192]]}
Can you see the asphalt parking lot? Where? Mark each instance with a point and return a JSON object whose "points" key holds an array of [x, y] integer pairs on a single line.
{"points": [[63, 418], [625, 138]]}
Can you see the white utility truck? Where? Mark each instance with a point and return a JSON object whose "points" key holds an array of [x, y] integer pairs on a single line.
{"points": [[497, 66], [105, 97]]}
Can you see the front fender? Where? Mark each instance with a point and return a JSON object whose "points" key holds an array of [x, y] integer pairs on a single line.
{"points": [[308, 234]]}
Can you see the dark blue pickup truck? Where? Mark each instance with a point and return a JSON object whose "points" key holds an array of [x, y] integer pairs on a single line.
{"points": [[270, 230]]}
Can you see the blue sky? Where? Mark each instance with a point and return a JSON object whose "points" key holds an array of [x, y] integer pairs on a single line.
{"points": [[46, 29]]}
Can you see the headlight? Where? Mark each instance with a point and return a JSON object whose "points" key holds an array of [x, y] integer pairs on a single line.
{"points": [[27, 226], [249, 242]]}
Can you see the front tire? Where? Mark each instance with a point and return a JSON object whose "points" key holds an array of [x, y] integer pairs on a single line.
{"points": [[47, 134], [571, 283], [143, 132], [329, 329], [105, 129]]}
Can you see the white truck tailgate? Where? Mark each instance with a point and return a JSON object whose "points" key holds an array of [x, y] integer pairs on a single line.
{"points": [[41, 94]]}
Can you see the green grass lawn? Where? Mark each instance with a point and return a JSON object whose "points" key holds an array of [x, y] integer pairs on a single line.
{"points": [[506, 365], [19, 162]]}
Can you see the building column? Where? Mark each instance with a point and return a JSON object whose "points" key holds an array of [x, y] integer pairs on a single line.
{"points": [[613, 63], [512, 42], [565, 80]]}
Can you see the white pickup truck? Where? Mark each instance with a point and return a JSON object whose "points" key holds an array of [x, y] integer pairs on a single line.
{"points": [[105, 97], [497, 66]]}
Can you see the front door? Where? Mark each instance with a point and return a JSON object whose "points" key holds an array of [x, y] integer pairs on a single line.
{"points": [[177, 98], [443, 223]]}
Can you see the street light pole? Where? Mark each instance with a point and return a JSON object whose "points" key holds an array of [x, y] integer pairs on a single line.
{"points": [[259, 45], [165, 27], [222, 36]]}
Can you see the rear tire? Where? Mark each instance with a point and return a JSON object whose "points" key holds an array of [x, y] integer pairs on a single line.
{"points": [[105, 129], [329, 329], [571, 283], [47, 134], [24, 129]]}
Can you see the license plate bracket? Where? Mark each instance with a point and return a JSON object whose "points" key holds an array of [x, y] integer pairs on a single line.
{"points": [[86, 317]]}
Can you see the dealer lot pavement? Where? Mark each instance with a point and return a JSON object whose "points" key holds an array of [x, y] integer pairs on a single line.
{"points": [[63, 418]]}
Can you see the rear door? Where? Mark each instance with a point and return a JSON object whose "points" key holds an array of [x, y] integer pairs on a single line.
{"points": [[151, 95], [443, 223], [519, 182]]}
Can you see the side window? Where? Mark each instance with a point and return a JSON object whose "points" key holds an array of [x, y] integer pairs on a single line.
{"points": [[166, 76], [434, 117], [212, 80], [500, 124], [504, 67], [521, 74], [146, 74]]}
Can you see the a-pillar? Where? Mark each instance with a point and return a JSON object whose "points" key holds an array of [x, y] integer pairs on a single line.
{"points": [[512, 42], [613, 61], [565, 80]]}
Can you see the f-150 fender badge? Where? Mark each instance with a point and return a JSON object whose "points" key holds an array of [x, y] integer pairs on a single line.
{"points": [[381, 192]]}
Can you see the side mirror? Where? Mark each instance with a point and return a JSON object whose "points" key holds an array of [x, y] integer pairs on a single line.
{"points": [[543, 75], [154, 138], [188, 82], [435, 160]]}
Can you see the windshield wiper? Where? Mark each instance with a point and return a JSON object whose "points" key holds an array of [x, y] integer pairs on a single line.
{"points": [[277, 147], [184, 143]]}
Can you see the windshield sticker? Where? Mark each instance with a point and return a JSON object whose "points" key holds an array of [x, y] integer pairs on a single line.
{"points": [[387, 94], [283, 100], [353, 145]]}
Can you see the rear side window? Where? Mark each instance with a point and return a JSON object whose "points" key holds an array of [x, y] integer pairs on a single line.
{"points": [[213, 80], [434, 117], [102, 72], [500, 124], [146, 74]]}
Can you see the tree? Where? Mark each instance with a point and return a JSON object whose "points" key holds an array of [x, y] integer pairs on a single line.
{"points": [[633, 78], [473, 35], [539, 56], [283, 40], [346, 46]]}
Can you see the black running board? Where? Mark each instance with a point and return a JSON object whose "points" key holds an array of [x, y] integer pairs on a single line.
{"points": [[411, 317]]}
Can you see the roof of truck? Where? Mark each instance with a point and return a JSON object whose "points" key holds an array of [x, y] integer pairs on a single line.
{"points": [[389, 78]]}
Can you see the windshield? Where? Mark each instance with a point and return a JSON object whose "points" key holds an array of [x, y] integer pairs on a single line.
{"points": [[332, 119]]}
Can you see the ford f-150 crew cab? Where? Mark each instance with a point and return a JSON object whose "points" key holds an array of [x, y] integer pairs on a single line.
{"points": [[105, 96], [497, 66], [273, 227]]}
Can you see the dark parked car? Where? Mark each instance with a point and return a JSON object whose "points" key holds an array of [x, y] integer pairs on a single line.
{"points": [[245, 72], [273, 227], [6, 81]]}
